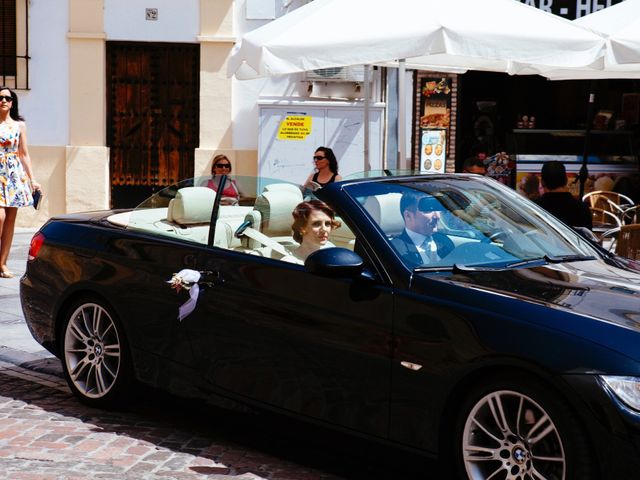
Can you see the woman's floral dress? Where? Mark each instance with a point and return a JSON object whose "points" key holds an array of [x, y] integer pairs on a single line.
{"points": [[15, 190]]}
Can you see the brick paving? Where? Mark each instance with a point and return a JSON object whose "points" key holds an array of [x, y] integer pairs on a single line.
{"points": [[46, 434]]}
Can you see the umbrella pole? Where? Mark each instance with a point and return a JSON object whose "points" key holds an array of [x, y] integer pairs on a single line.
{"points": [[402, 115], [584, 170], [367, 108]]}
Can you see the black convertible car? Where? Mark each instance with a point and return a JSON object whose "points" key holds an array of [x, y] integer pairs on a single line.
{"points": [[510, 345]]}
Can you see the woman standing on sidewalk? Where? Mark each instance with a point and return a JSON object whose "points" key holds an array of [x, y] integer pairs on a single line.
{"points": [[326, 170], [16, 175]]}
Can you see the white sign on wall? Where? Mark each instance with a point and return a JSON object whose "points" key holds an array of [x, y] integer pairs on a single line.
{"points": [[290, 134]]}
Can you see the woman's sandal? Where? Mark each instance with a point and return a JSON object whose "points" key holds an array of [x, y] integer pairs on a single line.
{"points": [[6, 274]]}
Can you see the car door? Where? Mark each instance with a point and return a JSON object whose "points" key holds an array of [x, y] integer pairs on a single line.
{"points": [[271, 332]]}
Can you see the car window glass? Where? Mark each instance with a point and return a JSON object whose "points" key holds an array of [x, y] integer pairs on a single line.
{"points": [[480, 221]]}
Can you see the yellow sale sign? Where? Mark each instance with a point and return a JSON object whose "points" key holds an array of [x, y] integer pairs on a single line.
{"points": [[294, 127]]}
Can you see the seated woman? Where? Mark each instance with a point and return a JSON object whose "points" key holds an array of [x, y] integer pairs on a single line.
{"points": [[313, 220], [222, 166]]}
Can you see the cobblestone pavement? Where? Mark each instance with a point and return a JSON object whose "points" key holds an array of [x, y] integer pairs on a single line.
{"points": [[46, 434]]}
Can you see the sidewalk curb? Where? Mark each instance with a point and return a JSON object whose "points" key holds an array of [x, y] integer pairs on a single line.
{"points": [[30, 361]]}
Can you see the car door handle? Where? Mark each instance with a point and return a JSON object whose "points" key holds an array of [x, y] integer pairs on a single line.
{"points": [[211, 278]]}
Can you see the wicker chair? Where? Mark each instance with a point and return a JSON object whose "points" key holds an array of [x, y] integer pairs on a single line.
{"points": [[628, 242], [613, 202], [631, 215], [604, 219]]}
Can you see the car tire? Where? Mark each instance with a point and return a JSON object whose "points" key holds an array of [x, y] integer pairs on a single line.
{"points": [[512, 427], [95, 355]]}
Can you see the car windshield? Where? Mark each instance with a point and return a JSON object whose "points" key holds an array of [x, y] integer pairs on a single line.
{"points": [[381, 173], [475, 222]]}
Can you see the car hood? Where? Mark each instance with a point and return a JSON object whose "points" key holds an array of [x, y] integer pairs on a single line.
{"points": [[588, 288]]}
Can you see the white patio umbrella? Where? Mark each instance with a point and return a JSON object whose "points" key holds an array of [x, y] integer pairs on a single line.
{"points": [[496, 35], [620, 25], [501, 35]]}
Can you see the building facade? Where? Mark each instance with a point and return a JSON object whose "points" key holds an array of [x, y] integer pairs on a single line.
{"points": [[120, 97], [124, 98]]}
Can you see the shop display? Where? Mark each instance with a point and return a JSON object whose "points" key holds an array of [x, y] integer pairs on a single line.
{"points": [[500, 167], [432, 150]]}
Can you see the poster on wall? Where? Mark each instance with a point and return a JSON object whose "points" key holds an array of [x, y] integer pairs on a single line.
{"points": [[433, 145], [435, 119], [435, 103]]}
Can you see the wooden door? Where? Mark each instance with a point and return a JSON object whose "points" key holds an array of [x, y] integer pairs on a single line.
{"points": [[152, 117]]}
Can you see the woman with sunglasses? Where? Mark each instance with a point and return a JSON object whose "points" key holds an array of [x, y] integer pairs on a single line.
{"points": [[222, 166], [17, 183], [326, 169]]}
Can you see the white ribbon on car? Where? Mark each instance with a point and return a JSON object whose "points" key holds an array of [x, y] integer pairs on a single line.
{"points": [[187, 279]]}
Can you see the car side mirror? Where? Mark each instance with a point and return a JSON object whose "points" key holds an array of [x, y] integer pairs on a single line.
{"points": [[334, 262], [586, 233]]}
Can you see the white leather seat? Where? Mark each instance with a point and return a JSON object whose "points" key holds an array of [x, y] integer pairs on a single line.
{"points": [[287, 187], [190, 215], [271, 215], [385, 211], [191, 206]]}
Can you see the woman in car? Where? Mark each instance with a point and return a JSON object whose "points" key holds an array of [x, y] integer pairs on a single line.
{"points": [[313, 221], [222, 166]]}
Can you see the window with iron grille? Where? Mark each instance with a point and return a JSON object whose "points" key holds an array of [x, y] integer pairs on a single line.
{"points": [[14, 46]]}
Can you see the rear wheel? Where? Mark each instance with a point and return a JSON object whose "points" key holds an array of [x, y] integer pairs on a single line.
{"points": [[516, 429], [96, 360]]}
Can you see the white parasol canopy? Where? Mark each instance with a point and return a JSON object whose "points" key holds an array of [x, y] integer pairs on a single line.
{"points": [[496, 35], [621, 24]]}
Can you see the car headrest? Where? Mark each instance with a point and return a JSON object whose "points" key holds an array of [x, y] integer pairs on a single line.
{"points": [[191, 205], [275, 207], [385, 211], [288, 187]]}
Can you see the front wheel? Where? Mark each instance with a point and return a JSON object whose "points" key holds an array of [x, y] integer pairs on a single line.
{"points": [[519, 430], [96, 361]]}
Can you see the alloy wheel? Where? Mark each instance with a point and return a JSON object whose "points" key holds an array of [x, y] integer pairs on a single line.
{"points": [[508, 435], [92, 350]]}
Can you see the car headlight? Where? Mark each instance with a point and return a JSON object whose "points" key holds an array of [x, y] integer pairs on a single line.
{"points": [[626, 388]]}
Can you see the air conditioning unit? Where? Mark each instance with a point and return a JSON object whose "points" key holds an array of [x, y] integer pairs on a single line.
{"points": [[337, 74]]}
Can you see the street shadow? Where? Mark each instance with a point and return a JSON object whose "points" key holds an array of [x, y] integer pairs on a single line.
{"points": [[193, 427]]}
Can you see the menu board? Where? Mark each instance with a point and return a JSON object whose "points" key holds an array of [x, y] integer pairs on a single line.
{"points": [[433, 147]]}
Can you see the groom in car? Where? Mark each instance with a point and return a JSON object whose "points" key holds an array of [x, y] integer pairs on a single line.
{"points": [[420, 243]]}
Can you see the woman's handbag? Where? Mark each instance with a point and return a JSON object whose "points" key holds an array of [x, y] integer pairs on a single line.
{"points": [[37, 196]]}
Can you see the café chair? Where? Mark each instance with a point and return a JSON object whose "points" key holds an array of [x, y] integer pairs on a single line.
{"points": [[628, 244], [631, 215], [623, 241], [603, 221], [613, 202]]}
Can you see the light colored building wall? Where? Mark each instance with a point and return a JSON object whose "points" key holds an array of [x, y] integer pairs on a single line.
{"points": [[86, 155], [218, 129], [66, 104], [45, 106]]}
